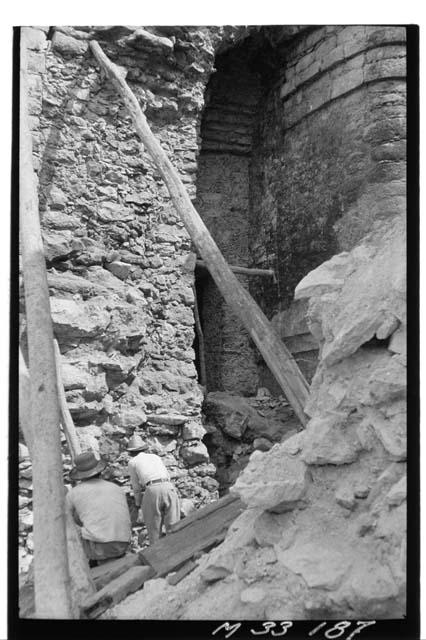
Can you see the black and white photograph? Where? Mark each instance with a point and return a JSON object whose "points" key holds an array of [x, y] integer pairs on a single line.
{"points": [[211, 326]]}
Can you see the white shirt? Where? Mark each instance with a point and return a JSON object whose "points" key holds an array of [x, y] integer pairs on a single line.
{"points": [[102, 509], [142, 469]]}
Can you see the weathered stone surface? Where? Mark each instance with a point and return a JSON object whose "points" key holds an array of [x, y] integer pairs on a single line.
{"points": [[119, 269], [130, 418], [329, 441], [68, 45], [234, 416], [272, 480], [73, 320], [391, 430], [370, 282], [345, 497], [253, 595], [374, 588], [398, 493], [319, 566], [193, 430], [195, 453]]}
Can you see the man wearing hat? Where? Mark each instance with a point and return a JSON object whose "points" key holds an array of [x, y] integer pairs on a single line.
{"points": [[100, 509], [160, 502]]}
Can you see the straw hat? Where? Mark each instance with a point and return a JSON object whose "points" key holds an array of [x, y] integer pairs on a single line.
{"points": [[136, 444], [86, 466]]}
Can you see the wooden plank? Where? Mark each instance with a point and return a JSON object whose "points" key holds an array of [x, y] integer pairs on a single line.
{"points": [[108, 571], [203, 512], [66, 419], [116, 590], [275, 353], [181, 573], [174, 549], [247, 271]]}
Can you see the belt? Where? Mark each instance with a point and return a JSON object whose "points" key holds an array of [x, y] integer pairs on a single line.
{"points": [[157, 481]]}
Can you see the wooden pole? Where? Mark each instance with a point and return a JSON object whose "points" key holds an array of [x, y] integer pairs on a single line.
{"points": [[247, 271], [51, 574], [276, 355], [82, 585], [67, 421]]}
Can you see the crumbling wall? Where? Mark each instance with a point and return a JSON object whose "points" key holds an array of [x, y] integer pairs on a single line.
{"points": [[118, 256], [223, 202], [331, 137]]}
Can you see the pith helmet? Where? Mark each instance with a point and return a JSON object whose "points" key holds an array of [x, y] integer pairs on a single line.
{"points": [[86, 466], [136, 443]]}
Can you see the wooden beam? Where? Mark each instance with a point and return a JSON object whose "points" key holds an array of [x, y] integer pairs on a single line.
{"points": [[171, 551], [274, 352], [247, 271], [108, 571], [116, 590], [181, 573], [51, 573], [66, 418], [203, 512]]}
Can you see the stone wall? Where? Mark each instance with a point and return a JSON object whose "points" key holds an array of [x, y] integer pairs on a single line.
{"points": [[120, 272], [331, 136], [223, 202]]}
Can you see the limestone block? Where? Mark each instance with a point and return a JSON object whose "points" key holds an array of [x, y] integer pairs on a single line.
{"points": [[35, 39], [392, 432], [130, 418], [57, 198], [68, 45], [60, 244], [74, 377], [372, 585], [262, 444], [114, 212], [119, 269], [194, 454], [213, 574], [24, 454], [345, 497], [272, 480], [73, 319], [233, 415], [253, 595], [193, 430], [82, 409], [319, 567], [25, 519], [398, 493], [398, 341], [328, 442], [293, 445], [372, 292], [329, 275]]}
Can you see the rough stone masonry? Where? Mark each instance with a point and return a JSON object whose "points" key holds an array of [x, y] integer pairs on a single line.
{"points": [[319, 164]]}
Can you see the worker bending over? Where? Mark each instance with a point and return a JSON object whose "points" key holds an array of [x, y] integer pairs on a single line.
{"points": [[160, 502], [100, 509]]}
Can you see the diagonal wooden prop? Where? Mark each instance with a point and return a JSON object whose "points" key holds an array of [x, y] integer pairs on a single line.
{"points": [[276, 355]]}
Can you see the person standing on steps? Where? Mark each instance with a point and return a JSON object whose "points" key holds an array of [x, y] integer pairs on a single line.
{"points": [[148, 475], [100, 510]]}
